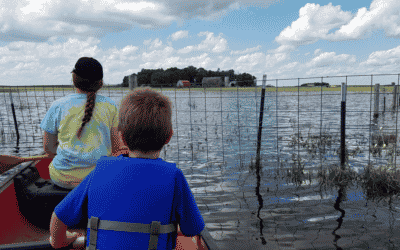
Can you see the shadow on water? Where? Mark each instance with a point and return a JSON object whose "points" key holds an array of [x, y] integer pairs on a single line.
{"points": [[260, 204]]}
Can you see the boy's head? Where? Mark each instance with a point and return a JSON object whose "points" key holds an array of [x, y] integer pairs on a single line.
{"points": [[145, 120]]}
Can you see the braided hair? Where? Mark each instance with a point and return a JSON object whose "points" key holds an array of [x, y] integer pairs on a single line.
{"points": [[81, 84]]}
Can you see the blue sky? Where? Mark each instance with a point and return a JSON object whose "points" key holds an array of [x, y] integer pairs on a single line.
{"points": [[40, 41]]}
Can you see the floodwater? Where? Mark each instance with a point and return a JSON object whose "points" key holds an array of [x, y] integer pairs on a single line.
{"points": [[215, 138]]}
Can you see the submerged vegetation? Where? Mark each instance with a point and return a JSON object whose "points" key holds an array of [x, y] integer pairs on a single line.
{"points": [[376, 182]]}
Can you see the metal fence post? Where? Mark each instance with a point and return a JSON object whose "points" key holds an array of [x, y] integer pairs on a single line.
{"points": [[15, 118], [343, 126], [394, 97], [260, 121], [376, 100]]}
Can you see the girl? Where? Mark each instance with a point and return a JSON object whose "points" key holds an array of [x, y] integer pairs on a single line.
{"points": [[80, 128]]}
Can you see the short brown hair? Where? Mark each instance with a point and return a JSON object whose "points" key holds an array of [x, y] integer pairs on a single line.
{"points": [[145, 120]]}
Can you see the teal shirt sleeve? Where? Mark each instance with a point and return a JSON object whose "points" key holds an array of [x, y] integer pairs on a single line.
{"points": [[74, 207], [51, 120]]}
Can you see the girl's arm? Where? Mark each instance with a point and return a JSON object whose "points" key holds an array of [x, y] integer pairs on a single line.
{"points": [[50, 143]]}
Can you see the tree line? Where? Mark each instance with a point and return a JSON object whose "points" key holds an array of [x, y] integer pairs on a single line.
{"points": [[170, 76]]}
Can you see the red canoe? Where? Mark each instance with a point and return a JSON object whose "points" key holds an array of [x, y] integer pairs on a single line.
{"points": [[27, 201]]}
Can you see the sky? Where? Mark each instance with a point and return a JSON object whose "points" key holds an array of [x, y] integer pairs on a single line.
{"points": [[41, 40]]}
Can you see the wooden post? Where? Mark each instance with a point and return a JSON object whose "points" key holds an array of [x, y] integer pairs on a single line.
{"points": [[376, 100]]}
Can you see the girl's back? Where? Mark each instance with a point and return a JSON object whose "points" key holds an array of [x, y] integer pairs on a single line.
{"points": [[80, 128]]}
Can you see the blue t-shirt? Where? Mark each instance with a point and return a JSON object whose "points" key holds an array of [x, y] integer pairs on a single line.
{"points": [[133, 190], [65, 118]]}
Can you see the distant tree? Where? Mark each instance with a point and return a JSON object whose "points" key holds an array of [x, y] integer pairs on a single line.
{"points": [[144, 77], [190, 73], [170, 76], [245, 79], [125, 81]]}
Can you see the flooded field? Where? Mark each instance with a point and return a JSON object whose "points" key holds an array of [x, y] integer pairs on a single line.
{"points": [[214, 143]]}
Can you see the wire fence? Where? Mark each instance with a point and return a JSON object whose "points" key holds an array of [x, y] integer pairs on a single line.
{"points": [[216, 129]]}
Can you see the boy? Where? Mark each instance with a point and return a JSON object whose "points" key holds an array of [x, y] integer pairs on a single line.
{"points": [[141, 188]]}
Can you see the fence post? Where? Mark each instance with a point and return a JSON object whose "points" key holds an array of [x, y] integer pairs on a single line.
{"points": [[376, 106], [343, 126], [132, 81], [394, 96], [15, 118], [226, 81], [384, 103], [260, 122]]}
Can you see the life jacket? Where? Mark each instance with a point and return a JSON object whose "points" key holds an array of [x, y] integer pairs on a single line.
{"points": [[154, 229]]}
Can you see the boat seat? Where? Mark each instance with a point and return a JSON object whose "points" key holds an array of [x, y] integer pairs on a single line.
{"points": [[38, 197]]}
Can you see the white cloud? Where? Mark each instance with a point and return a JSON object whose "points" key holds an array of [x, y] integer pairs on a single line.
{"points": [[43, 63], [251, 59], [216, 44], [382, 14], [211, 43], [41, 19], [153, 44], [329, 58], [246, 51], [283, 49], [290, 67], [186, 50], [179, 35], [317, 52], [156, 43], [313, 24], [202, 60], [383, 57], [157, 54], [273, 59], [330, 23], [147, 42]]}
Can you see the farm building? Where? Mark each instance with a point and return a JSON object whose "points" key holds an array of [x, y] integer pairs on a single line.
{"points": [[183, 83], [213, 82], [323, 84]]}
